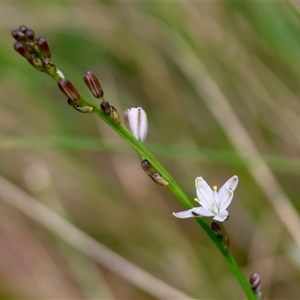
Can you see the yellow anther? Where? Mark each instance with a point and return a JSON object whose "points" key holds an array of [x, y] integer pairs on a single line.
{"points": [[215, 188], [199, 183], [213, 203], [196, 199]]}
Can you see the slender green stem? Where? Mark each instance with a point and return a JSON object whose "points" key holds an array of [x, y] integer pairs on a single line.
{"points": [[173, 186]]}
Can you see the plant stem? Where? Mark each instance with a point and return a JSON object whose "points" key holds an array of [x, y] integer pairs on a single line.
{"points": [[173, 186]]}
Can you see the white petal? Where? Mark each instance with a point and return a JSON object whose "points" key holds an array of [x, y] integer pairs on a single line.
{"points": [[226, 200], [194, 212], [204, 193], [143, 124], [221, 217], [226, 192], [231, 183], [201, 212], [215, 203], [184, 214]]}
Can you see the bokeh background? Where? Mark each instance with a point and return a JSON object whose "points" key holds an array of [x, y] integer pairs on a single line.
{"points": [[220, 82]]}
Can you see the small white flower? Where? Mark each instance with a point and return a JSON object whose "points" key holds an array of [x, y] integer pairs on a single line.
{"points": [[135, 119], [213, 203]]}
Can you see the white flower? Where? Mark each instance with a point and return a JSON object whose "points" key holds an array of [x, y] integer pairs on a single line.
{"points": [[212, 203], [136, 121]]}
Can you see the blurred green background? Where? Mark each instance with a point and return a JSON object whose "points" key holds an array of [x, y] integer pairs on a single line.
{"points": [[220, 84]]}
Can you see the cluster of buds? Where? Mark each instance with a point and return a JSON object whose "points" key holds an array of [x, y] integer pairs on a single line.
{"points": [[38, 54], [35, 50]]}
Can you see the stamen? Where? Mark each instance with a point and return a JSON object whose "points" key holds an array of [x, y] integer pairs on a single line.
{"points": [[199, 183], [215, 188], [196, 199]]}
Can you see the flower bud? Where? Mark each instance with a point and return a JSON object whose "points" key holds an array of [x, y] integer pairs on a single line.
{"points": [[136, 121], [23, 28], [255, 284], [30, 35], [215, 226], [147, 167], [105, 106], [18, 35], [68, 89], [93, 84], [19, 47], [43, 46], [221, 233]]}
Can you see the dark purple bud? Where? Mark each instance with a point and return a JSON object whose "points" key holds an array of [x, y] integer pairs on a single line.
{"points": [[50, 66], [30, 35], [105, 106], [68, 89], [23, 28], [15, 34], [43, 46], [93, 84], [216, 227], [19, 47], [18, 35]]}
